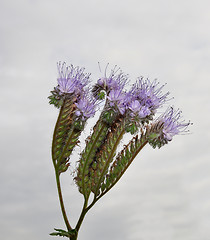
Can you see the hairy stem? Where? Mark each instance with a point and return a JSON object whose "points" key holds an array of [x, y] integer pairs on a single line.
{"points": [[61, 201], [82, 215]]}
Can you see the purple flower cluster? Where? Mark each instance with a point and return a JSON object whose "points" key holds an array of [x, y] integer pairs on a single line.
{"points": [[85, 108], [171, 124], [71, 79], [112, 87], [114, 82], [116, 100], [138, 105], [166, 127], [73, 84], [135, 107], [145, 98]]}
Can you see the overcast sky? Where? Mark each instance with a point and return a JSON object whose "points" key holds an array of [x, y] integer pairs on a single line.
{"points": [[165, 194]]}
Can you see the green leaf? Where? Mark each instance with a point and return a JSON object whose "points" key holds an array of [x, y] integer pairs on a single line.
{"points": [[63, 233], [55, 98], [131, 127]]}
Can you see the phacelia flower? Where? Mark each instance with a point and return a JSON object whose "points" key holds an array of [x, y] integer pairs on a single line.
{"points": [[85, 108], [116, 99], [136, 109], [113, 82], [166, 127], [149, 95], [71, 79]]}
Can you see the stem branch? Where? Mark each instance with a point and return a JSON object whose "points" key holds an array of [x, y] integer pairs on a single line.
{"points": [[82, 215], [61, 201]]}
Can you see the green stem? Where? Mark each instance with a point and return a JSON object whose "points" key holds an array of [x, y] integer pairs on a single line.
{"points": [[82, 215], [74, 237], [85, 209], [61, 201]]}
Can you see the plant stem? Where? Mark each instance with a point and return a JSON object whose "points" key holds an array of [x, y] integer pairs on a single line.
{"points": [[73, 237], [82, 215], [61, 201]]}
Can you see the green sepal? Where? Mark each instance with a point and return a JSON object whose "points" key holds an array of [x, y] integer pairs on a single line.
{"points": [[56, 102], [55, 98], [132, 128], [152, 136], [109, 116], [63, 167], [101, 95], [79, 125]]}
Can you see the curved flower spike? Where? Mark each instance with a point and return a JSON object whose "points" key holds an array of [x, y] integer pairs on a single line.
{"points": [[71, 79], [116, 100], [85, 108], [149, 95], [166, 127], [115, 81], [137, 109]]}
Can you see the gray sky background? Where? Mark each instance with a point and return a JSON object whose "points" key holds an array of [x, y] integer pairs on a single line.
{"points": [[165, 194]]}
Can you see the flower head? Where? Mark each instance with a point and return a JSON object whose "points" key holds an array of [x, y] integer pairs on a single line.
{"points": [[139, 110], [115, 81], [85, 108], [145, 97], [166, 127], [71, 79], [116, 100]]}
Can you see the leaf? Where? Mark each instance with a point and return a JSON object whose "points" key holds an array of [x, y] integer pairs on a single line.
{"points": [[55, 98], [63, 233]]}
